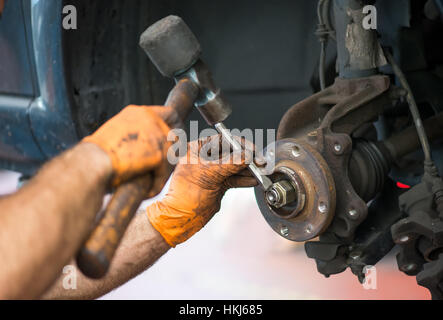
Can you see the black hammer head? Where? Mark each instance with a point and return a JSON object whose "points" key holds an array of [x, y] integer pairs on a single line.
{"points": [[171, 46]]}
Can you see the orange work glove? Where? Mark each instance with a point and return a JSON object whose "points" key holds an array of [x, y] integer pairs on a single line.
{"points": [[197, 187], [136, 142]]}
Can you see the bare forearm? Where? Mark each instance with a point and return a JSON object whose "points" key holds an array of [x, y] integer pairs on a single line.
{"points": [[43, 224], [141, 246]]}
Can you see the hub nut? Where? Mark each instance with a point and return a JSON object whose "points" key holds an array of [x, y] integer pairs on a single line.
{"points": [[281, 193]]}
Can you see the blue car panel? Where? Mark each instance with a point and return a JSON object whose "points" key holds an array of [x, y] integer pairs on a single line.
{"points": [[35, 119]]}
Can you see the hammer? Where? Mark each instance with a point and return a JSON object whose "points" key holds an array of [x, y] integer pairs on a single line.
{"points": [[175, 51]]}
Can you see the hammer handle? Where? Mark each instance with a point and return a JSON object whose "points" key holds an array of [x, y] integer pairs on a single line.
{"points": [[95, 257]]}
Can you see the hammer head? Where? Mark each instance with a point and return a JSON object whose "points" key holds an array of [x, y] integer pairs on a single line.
{"points": [[171, 46]]}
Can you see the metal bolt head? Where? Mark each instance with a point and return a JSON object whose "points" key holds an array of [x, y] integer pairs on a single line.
{"points": [[280, 194], [284, 231], [353, 213], [337, 147], [403, 239]]}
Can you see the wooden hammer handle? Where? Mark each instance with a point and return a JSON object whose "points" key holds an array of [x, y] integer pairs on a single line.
{"points": [[95, 257]]}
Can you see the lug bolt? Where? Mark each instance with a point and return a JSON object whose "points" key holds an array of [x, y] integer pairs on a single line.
{"points": [[309, 229], [296, 152], [322, 207]]}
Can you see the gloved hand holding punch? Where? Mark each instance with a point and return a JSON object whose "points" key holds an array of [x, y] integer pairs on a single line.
{"points": [[197, 187]]}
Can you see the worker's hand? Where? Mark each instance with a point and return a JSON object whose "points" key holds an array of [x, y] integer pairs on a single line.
{"points": [[197, 187], [136, 142]]}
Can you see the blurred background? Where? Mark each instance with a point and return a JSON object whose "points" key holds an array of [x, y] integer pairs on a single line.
{"points": [[238, 256]]}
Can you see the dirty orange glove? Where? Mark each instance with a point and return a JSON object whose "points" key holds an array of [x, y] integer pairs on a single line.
{"points": [[136, 142], [197, 187]]}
